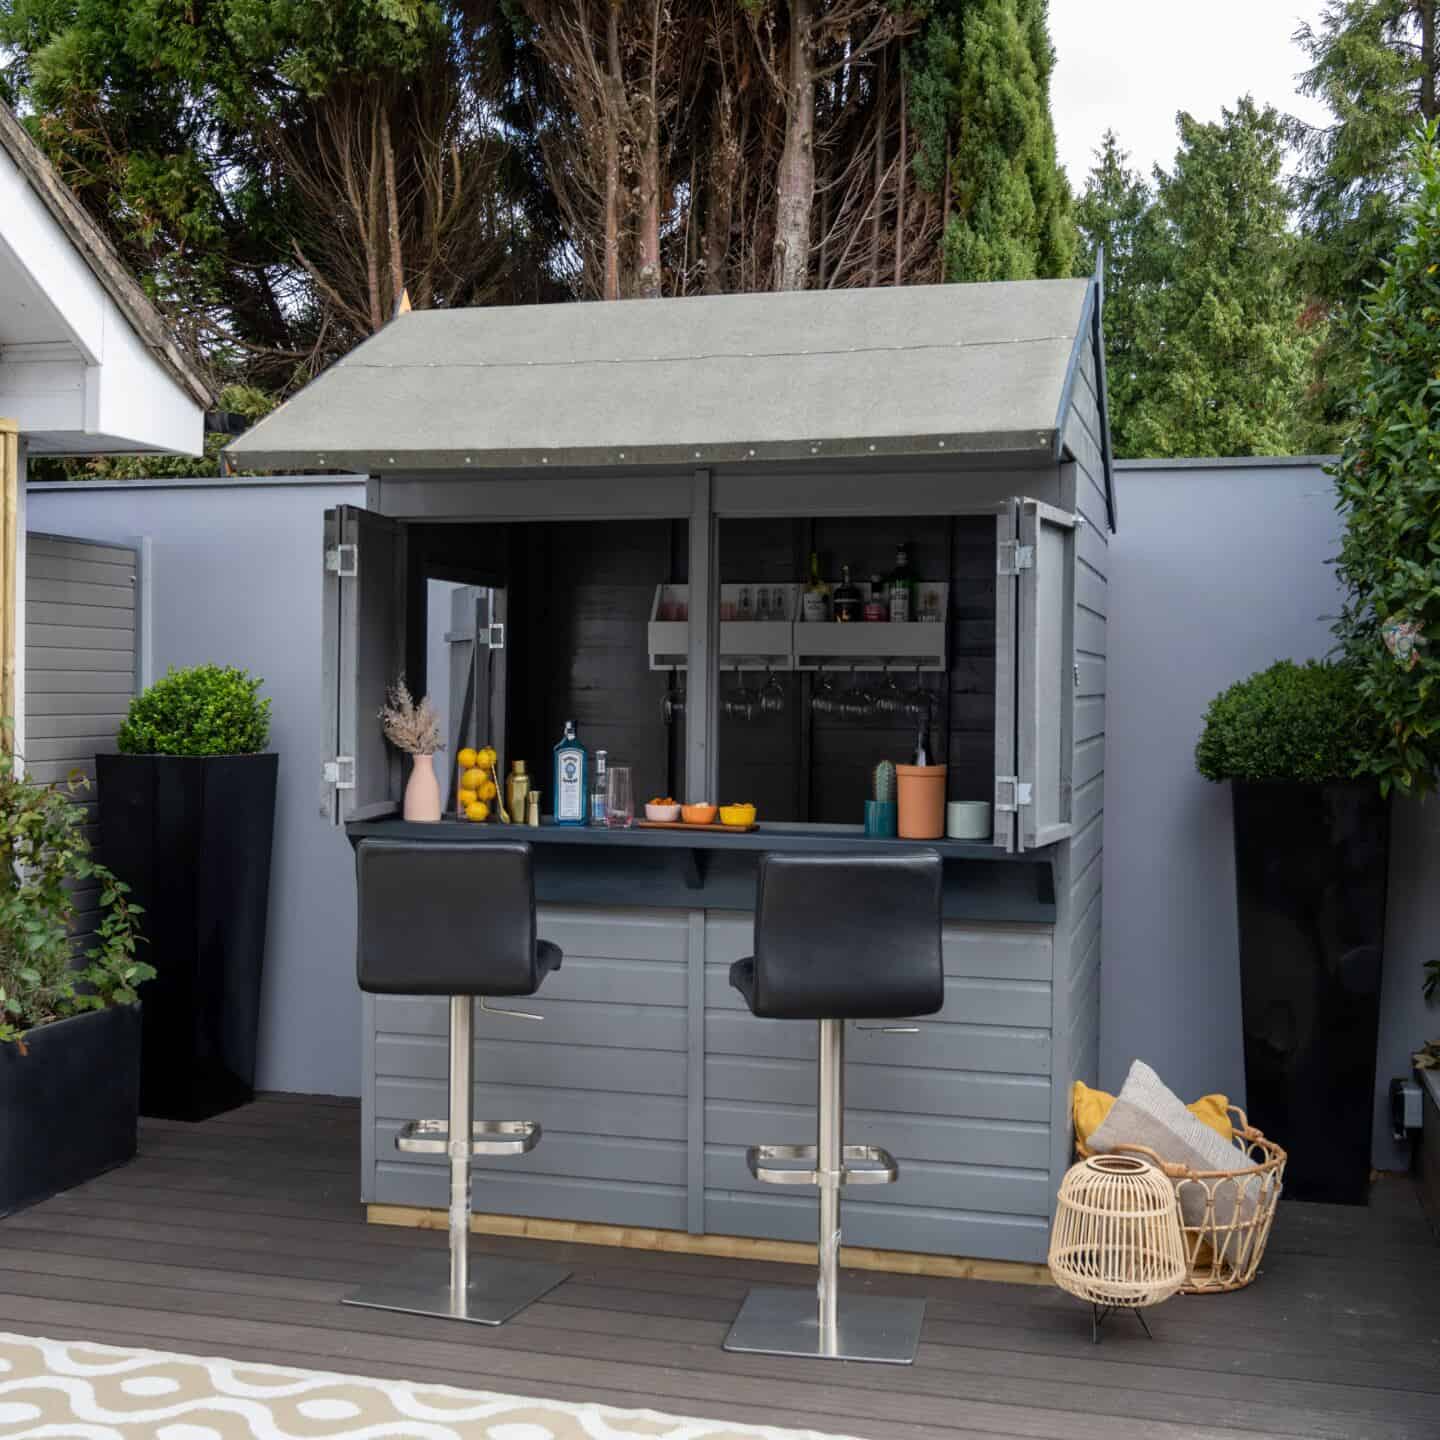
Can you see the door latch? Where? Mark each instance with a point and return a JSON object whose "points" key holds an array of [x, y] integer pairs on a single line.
{"points": [[1012, 557], [1011, 793]]}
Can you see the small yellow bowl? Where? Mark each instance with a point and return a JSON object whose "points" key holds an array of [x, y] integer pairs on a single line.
{"points": [[737, 814]]}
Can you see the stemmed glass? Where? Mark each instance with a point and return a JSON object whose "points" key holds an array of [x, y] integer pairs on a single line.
{"points": [[772, 694], [890, 698], [740, 702], [825, 701], [857, 703], [919, 700]]}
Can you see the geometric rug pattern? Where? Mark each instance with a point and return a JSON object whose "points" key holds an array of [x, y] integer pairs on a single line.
{"points": [[72, 1390]]}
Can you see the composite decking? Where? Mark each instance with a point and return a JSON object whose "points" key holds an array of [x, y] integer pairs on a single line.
{"points": [[238, 1236]]}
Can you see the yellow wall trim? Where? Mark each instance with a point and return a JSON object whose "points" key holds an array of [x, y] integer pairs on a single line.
{"points": [[726, 1247]]}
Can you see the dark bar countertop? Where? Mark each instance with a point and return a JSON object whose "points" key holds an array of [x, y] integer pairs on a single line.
{"points": [[713, 869]]}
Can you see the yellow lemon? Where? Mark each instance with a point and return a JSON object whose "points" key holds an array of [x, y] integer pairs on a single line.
{"points": [[466, 758], [477, 810], [467, 798], [487, 759], [488, 790], [473, 779]]}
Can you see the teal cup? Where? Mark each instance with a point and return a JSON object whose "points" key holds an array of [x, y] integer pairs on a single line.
{"points": [[881, 818]]}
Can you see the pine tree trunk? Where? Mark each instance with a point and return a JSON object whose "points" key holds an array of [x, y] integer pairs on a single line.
{"points": [[612, 157], [877, 200], [392, 211], [1427, 58], [372, 229], [795, 192], [720, 193], [901, 166]]}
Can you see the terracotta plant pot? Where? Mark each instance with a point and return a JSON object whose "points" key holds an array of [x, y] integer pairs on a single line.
{"points": [[921, 797], [422, 790]]}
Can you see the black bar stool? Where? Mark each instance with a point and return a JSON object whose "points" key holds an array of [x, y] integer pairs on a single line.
{"points": [[439, 918], [838, 938]]}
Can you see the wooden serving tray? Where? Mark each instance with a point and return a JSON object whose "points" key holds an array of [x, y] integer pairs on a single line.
{"points": [[685, 825]]}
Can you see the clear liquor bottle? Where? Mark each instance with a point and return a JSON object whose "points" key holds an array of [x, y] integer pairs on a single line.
{"points": [[901, 586], [815, 601], [572, 779]]}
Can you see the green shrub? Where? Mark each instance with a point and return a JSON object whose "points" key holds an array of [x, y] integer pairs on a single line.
{"points": [[1388, 483], [207, 710], [1290, 722], [43, 855]]}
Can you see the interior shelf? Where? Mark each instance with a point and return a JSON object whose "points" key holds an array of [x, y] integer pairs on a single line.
{"points": [[790, 644]]}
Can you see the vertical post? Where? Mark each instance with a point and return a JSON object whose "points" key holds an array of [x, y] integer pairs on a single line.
{"points": [[9, 557], [701, 702], [829, 1163], [461, 1023]]}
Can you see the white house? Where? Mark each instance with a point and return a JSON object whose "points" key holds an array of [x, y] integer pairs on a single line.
{"points": [[86, 363]]}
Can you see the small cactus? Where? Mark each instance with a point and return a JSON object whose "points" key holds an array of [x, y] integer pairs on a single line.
{"points": [[883, 782]]}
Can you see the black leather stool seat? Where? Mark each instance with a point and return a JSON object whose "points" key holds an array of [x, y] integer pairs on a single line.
{"points": [[447, 918], [845, 937]]}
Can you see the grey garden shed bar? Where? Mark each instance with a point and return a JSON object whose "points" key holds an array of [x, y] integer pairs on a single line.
{"points": [[574, 495]]}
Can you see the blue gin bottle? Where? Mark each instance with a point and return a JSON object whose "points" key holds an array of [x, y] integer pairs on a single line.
{"points": [[572, 779]]}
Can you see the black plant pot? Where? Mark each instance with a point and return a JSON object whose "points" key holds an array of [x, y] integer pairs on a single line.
{"points": [[191, 837], [1311, 866], [68, 1105]]}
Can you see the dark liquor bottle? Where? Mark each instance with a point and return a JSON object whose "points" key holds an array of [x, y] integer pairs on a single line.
{"points": [[848, 603], [922, 742]]}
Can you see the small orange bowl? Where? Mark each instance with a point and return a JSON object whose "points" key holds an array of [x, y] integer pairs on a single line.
{"points": [[699, 814]]}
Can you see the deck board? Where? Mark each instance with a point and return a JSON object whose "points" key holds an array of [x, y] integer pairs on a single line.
{"points": [[237, 1236]]}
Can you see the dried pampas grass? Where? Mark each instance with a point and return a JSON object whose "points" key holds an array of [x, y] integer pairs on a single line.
{"points": [[411, 727]]}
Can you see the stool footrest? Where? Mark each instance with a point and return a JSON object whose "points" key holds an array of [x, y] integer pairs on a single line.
{"points": [[487, 1137], [873, 1166]]}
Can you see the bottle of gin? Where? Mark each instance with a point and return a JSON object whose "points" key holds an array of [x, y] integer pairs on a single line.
{"points": [[849, 606], [597, 789], [815, 601], [902, 586], [572, 779]]}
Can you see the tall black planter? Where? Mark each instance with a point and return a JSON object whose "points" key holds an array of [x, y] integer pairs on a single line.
{"points": [[191, 837], [1311, 864], [68, 1104]]}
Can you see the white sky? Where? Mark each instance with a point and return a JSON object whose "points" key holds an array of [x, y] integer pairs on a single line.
{"points": [[1130, 65]]}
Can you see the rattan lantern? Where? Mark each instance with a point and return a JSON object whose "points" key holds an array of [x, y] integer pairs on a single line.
{"points": [[1116, 1240]]}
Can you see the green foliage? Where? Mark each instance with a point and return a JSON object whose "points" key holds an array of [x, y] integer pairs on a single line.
{"points": [[980, 95], [1114, 215], [1291, 722], [1388, 486], [1205, 312], [43, 855], [207, 710]]}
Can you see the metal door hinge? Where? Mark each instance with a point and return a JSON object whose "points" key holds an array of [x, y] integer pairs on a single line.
{"points": [[340, 772], [496, 634], [1013, 557], [343, 560], [1011, 793], [492, 637]]}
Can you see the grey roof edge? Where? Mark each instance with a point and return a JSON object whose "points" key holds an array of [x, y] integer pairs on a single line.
{"points": [[381, 462], [101, 257], [198, 482], [1090, 331], [1230, 462]]}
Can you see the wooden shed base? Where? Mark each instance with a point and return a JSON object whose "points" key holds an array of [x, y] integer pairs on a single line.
{"points": [[730, 1247]]}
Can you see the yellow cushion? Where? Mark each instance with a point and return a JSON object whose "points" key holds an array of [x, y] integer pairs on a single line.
{"points": [[1090, 1107]]}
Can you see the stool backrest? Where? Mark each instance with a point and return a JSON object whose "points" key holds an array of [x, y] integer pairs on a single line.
{"points": [[848, 937], [440, 918]]}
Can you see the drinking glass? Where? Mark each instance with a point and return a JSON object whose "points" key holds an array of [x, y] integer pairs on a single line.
{"points": [[919, 700], [890, 698], [743, 607], [762, 603], [772, 694], [825, 701], [740, 702], [857, 703], [619, 798]]}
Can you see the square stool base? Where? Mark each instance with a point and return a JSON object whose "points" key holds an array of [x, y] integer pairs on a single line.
{"points": [[785, 1322], [498, 1290]]}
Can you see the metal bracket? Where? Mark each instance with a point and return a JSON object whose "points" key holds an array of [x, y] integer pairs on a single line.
{"points": [[496, 638], [1012, 557], [343, 560], [334, 772], [888, 1029], [1011, 793], [509, 1014], [873, 1166]]}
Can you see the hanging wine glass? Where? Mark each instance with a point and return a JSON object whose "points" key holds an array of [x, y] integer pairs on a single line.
{"points": [[890, 698], [918, 700], [825, 701], [858, 703], [772, 694]]}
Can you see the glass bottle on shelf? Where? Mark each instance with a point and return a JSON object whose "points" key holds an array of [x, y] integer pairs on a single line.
{"points": [[877, 607], [901, 586], [572, 779], [848, 604], [744, 610], [597, 789], [816, 599]]}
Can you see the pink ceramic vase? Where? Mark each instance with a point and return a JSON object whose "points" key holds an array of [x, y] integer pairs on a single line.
{"points": [[422, 790]]}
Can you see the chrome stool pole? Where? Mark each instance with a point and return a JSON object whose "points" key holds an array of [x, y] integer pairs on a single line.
{"points": [[462, 1026]]}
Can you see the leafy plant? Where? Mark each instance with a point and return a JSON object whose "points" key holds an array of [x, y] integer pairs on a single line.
{"points": [[1290, 722], [1388, 487], [206, 710], [43, 855]]}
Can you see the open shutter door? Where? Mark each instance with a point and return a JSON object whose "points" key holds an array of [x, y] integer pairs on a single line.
{"points": [[1045, 689], [364, 652], [1007, 608]]}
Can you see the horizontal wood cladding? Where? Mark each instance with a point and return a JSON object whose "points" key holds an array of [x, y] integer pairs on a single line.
{"points": [[650, 1081]]}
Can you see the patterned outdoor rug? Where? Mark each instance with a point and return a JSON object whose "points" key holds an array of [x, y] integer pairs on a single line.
{"points": [[79, 1391]]}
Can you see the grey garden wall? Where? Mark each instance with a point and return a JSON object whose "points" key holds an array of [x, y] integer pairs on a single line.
{"points": [[232, 573], [1219, 568]]}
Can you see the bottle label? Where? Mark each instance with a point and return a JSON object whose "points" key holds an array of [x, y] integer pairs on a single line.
{"points": [[569, 800], [900, 603], [814, 605]]}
